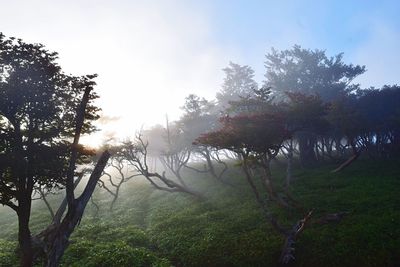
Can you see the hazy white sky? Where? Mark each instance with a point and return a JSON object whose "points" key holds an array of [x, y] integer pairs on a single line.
{"points": [[151, 54]]}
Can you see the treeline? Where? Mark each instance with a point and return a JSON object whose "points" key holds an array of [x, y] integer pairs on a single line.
{"points": [[329, 117], [307, 109]]}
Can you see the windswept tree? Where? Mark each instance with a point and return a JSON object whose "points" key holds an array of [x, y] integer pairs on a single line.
{"points": [[257, 139], [137, 156], [165, 145], [43, 113], [116, 173]]}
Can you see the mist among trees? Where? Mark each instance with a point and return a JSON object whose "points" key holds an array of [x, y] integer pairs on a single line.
{"points": [[273, 154]]}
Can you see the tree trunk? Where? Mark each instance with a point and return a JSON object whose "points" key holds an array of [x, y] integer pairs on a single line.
{"points": [[267, 214], [268, 181], [289, 166], [306, 148], [24, 233], [56, 236]]}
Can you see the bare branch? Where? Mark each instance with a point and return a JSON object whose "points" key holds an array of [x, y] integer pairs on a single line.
{"points": [[136, 155]]}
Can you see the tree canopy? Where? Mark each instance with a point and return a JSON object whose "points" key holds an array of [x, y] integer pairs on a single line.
{"points": [[309, 72], [38, 105]]}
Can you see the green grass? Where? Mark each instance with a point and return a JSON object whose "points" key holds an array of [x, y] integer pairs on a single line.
{"points": [[153, 228]]}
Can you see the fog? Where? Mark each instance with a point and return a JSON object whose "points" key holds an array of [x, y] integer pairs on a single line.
{"points": [[199, 133], [150, 55]]}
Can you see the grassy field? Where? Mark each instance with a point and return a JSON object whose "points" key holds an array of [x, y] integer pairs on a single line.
{"points": [[153, 228]]}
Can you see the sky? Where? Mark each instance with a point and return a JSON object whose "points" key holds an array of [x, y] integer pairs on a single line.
{"points": [[150, 55]]}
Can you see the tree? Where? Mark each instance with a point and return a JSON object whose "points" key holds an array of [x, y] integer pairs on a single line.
{"points": [[368, 120], [258, 102], [348, 123], [117, 173], [238, 81], [379, 110], [195, 107], [136, 154], [257, 140], [309, 72], [306, 119], [41, 111], [167, 145]]}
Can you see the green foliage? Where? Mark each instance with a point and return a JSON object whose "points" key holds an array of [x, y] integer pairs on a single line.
{"points": [[211, 236], [131, 235], [110, 254], [8, 255], [104, 244], [229, 230]]}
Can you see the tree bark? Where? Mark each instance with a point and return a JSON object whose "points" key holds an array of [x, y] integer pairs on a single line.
{"points": [[24, 233], [56, 236]]}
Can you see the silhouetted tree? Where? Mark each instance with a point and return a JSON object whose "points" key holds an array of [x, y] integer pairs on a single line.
{"points": [[41, 111], [380, 113]]}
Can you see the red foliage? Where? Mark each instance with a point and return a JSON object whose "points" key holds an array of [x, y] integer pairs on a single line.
{"points": [[259, 133]]}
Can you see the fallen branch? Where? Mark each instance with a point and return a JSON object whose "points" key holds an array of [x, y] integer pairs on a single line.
{"points": [[346, 163], [356, 154], [288, 248]]}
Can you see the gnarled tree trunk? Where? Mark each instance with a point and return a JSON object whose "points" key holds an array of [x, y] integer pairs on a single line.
{"points": [[55, 238]]}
